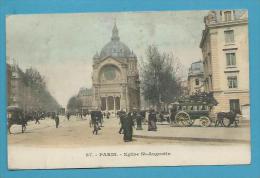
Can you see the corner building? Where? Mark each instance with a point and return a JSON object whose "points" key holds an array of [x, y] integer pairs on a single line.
{"points": [[224, 46], [115, 77]]}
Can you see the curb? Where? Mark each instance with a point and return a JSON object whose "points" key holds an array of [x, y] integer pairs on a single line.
{"points": [[194, 139]]}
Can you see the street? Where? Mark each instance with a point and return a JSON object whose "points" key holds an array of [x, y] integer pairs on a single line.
{"points": [[73, 145], [73, 133], [76, 132]]}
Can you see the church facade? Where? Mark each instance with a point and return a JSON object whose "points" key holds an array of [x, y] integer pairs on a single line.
{"points": [[115, 77]]}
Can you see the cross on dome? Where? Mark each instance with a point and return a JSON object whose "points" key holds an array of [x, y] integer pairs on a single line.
{"points": [[115, 36]]}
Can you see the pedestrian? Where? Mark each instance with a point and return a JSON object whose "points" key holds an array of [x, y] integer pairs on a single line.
{"points": [[139, 119], [68, 116], [108, 115], [94, 121], [57, 120], [80, 114], [100, 115], [37, 118], [92, 118], [173, 113], [128, 128], [122, 117], [143, 114], [152, 121]]}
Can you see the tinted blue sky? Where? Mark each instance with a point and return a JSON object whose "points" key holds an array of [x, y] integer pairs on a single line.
{"points": [[61, 46]]}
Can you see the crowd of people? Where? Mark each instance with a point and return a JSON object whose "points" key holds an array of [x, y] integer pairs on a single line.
{"points": [[128, 120]]}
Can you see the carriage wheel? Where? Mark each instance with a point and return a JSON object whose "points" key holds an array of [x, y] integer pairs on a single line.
{"points": [[183, 119], [204, 121], [226, 122]]}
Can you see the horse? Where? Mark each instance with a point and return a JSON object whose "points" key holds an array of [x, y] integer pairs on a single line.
{"points": [[18, 120], [231, 116]]}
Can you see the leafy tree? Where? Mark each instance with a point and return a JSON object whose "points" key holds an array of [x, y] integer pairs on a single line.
{"points": [[34, 78], [74, 104], [159, 77], [38, 96]]}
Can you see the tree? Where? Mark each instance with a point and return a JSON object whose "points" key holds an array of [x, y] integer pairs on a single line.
{"points": [[38, 96], [74, 104], [34, 78], [160, 81]]}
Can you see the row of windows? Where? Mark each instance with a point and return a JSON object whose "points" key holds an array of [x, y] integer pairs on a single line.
{"points": [[232, 82], [229, 38], [230, 57], [193, 108]]}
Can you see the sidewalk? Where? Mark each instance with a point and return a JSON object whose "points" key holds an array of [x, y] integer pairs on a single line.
{"points": [[240, 134]]}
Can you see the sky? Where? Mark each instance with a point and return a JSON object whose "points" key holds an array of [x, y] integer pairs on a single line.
{"points": [[61, 46]]}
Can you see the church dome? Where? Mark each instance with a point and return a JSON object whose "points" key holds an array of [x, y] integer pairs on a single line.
{"points": [[116, 48]]}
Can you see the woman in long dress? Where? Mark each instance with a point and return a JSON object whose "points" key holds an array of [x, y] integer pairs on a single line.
{"points": [[152, 121], [128, 128]]}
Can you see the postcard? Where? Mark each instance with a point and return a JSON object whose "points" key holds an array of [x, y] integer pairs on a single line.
{"points": [[128, 89]]}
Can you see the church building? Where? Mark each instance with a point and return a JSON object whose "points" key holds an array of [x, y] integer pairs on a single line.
{"points": [[115, 77]]}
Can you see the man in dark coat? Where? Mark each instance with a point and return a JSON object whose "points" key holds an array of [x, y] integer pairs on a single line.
{"points": [[152, 121], [56, 118], [37, 118], [142, 113], [173, 113], [68, 115], [95, 121], [122, 117], [139, 119], [128, 128], [100, 118]]}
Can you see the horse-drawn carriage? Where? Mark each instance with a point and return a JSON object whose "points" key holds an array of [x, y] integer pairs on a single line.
{"points": [[187, 113], [199, 107], [195, 107], [15, 115]]}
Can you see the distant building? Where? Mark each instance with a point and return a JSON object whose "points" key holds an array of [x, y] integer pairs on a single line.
{"points": [[85, 97], [196, 77], [224, 46], [16, 88]]}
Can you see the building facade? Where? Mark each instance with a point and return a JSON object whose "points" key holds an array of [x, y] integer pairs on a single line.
{"points": [[25, 93], [196, 77], [224, 46], [85, 97], [16, 89], [115, 77]]}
